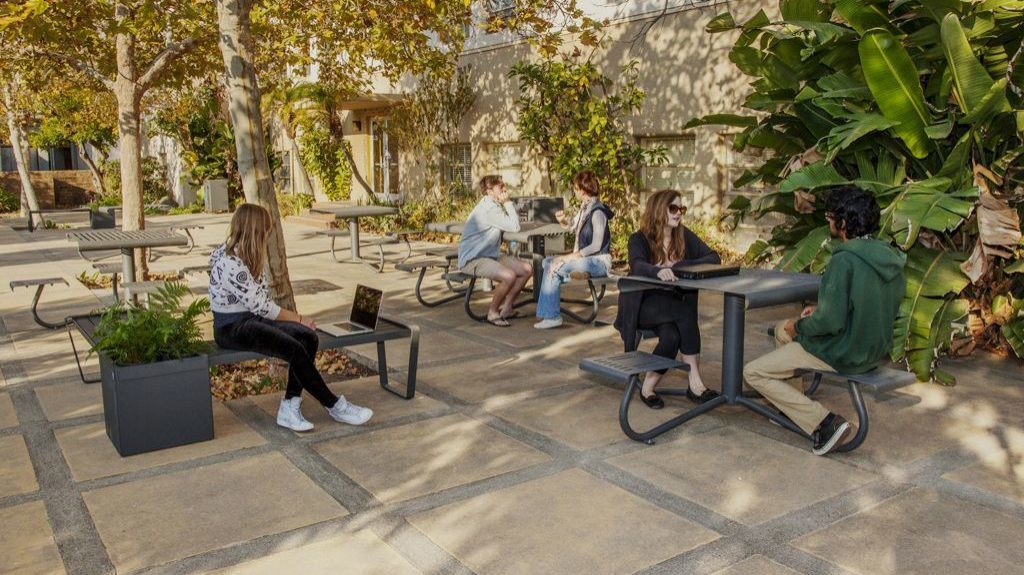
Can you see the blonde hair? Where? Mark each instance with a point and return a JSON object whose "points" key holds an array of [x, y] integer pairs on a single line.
{"points": [[652, 224], [247, 237]]}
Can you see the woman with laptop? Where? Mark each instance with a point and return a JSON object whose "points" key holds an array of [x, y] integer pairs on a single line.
{"points": [[245, 318], [662, 243], [590, 255]]}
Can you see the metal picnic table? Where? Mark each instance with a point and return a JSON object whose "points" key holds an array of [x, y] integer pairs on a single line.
{"points": [[750, 289], [127, 242], [352, 214]]}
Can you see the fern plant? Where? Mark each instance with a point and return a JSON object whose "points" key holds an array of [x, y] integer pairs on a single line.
{"points": [[164, 330]]}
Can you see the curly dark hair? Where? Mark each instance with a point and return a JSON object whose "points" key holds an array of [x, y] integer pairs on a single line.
{"points": [[854, 210]]}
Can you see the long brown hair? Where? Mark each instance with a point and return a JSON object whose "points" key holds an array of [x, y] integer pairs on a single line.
{"points": [[247, 237], [652, 225]]}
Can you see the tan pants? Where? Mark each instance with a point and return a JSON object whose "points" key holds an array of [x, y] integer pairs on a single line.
{"points": [[766, 375]]}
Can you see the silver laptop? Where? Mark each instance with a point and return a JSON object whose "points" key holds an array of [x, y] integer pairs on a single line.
{"points": [[364, 315]]}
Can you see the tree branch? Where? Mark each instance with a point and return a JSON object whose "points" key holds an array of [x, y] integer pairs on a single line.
{"points": [[164, 59], [79, 65]]}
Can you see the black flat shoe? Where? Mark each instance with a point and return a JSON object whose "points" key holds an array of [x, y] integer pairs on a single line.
{"points": [[653, 401], [704, 397]]}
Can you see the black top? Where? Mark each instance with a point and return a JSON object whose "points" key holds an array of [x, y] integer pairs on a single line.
{"points": [[586, 229], [640, 264]]}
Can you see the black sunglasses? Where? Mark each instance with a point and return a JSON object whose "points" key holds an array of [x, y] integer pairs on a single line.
{"points": [[674, 209]]}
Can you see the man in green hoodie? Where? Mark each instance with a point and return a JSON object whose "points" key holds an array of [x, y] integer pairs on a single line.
{"points": [[850, 330]]}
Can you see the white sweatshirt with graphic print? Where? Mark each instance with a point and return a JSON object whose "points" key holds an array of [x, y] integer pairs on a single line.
{"points": [[233, 289]]}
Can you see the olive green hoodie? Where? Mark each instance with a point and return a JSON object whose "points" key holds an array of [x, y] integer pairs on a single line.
{"points": [[859, 298]]}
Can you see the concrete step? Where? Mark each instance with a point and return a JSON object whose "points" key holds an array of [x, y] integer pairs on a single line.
{"points": [[334, 204]]}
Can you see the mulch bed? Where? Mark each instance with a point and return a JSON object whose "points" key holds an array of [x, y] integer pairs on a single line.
{"points": [[233, 381]]}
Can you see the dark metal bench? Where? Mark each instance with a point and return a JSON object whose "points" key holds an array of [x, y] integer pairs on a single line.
{"points": [[423, 266], [597, 287], [40, 285], [187, 229], [627, 368], [878, 381], [43, 212], [388, 329]]}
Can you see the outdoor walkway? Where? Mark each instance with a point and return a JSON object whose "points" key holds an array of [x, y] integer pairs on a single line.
{"points": [[508, 461]]}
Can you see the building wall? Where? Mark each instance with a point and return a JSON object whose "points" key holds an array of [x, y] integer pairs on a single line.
{"points": [[54, 189]]}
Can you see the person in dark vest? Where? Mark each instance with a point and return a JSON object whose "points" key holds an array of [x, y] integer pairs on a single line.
{"points": [[661, 243], [591, 254], [851, 328]]}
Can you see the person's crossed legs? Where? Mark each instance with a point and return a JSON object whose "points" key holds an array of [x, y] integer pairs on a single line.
{"points": [[774, 376], [511, 274]]}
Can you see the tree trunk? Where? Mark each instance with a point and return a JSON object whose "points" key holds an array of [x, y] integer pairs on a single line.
{"points": [[97, 175], [19, 143], [129, 97], [235, 41]]}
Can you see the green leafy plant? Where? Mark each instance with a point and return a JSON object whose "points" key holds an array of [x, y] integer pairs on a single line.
{"points": [[294, 204], [9, 202], [163, 330], [154, 182], [193, 208], [575, 117], [922, 103]]}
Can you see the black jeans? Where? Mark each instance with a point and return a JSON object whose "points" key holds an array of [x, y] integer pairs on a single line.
{"points": [[674, 318], [289, 341]]}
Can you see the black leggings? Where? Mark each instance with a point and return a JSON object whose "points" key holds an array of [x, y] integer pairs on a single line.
{"points": [[289, 341], [674, 318]]}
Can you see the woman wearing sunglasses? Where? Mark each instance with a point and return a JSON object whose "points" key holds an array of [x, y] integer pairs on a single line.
{"points": [[662, 242]]}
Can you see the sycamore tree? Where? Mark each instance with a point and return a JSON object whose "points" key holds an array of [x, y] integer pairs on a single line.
{"points": [[125, 47], [71, 110], [17, 78]]}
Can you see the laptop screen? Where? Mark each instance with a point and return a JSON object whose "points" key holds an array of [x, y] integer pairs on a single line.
{"points": [[366, 306]]}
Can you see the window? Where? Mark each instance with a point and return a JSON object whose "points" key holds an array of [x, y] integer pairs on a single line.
{"points": [[7, 159], [736, 164], [506, 160], [678, 172], [503, 9], [456, 166]]}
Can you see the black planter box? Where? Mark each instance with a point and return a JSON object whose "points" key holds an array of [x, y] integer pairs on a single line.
{"points": [[101, 220], [157, 405]]}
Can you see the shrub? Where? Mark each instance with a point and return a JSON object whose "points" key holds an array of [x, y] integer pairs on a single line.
{"points": [[9, 202], [154, 181], [132, 334], [293, 204]]}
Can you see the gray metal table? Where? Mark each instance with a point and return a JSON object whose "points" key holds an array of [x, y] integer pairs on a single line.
{"points": [[751, 289], [454, 228], [352, 214], [127, 242], [534, 235]]}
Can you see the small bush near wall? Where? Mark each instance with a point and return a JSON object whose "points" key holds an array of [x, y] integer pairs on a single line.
{"points": [[8, 202], [293, 204], [154, 181]]}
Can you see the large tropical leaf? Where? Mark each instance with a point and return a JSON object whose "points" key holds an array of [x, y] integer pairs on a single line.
{"points": [[811, 176], [862, 15], [1013, 331], [805, 251], [927, 205], [971, 83], [809, 10], [841, 137], [721, 23], [893, 80], [931, 276], [734, 120]]}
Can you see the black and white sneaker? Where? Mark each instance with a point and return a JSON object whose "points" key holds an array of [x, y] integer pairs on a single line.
{"points": [[830, 433]]}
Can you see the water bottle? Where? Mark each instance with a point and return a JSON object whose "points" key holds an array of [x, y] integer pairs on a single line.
{"points": [[513, 248]]}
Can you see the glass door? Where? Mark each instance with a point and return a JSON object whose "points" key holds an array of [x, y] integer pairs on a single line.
{"points": [[384, 150]]}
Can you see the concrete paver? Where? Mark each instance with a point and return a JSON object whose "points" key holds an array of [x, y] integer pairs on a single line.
{"points": [[761, 488], [922, 532], [428, 456], [28, 545], [16, 473], [91, 455], [70, 400], [364, 391], [571, 522], [7, 415], [759, 565], [360, 553], [159, 519]]}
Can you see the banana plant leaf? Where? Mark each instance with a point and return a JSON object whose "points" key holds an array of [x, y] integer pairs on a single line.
{"points": [[862, 15], [1015, 268], [810, 10], [721, 23], [816, 175], [926, 205], [1013, 331], [841, 137], [805, 251], [893, 80], [931, 276], [971, 83], [734, 120]]}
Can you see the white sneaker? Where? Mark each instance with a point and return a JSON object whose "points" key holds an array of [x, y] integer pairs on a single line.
{"points": [[548, 323], [290, 416], [347, 412]]}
